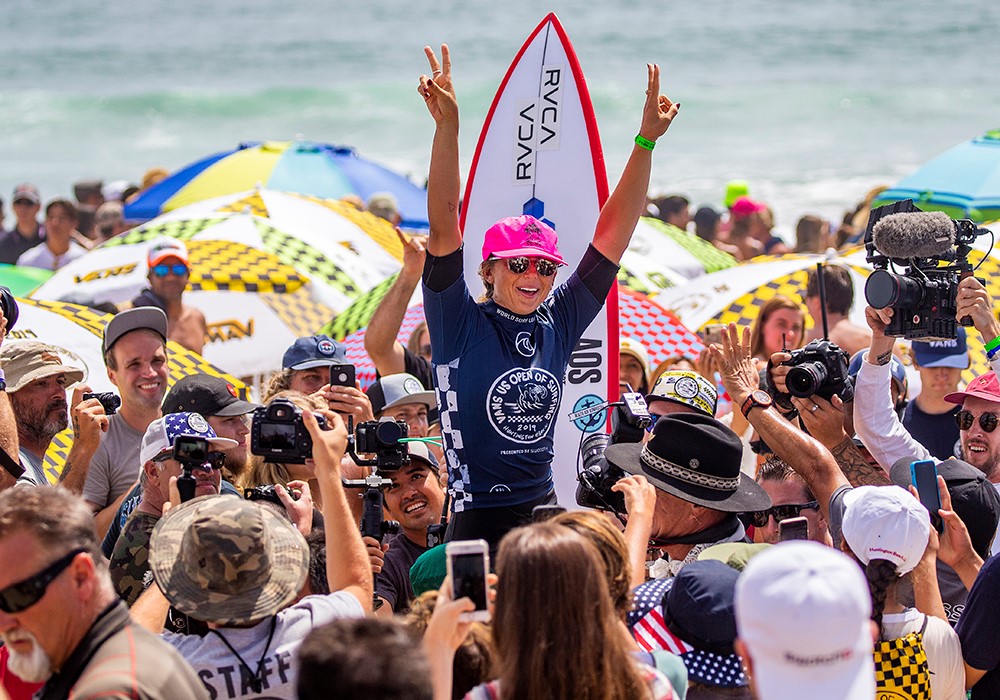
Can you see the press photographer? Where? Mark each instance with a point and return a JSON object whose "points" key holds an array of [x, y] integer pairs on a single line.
{"points": [[934, 252]]}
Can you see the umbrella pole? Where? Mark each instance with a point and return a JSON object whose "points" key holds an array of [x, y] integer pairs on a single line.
{"points": [[822, 298]]}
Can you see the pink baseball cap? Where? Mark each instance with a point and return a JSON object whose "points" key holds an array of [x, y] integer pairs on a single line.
{"points": [[744, 207], [985, 386], [515, 236]]}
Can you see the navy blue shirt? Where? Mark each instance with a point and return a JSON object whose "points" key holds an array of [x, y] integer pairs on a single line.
{"points": [[977, 629], [499, 378], [937, 432]]}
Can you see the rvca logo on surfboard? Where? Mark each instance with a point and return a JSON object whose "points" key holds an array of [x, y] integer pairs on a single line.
{"points": [[537, 124], [521, 404]]}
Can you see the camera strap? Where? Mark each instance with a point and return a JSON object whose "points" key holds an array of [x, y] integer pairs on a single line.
{"points": [[10, 465]]}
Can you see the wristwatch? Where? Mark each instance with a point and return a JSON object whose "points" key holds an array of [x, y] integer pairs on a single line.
{"points": [[757, 398]]}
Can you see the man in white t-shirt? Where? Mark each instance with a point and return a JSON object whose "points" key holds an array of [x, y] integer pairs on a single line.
{"points": [[240, 567], [58, 248]]}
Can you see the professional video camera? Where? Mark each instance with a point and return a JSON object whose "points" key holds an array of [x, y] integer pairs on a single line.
{"points": [[193, 451], [278, 434], [629, 422], [934, 252], [382, 439]]}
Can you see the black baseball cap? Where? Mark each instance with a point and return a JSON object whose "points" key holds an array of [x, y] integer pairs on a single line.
{"points": [[207, 395], [139, 318]]}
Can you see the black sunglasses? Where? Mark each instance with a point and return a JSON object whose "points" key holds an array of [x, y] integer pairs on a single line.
{"points": [[790, 510], [546, 268], [216, 460], [23, 594], [987, 421]]}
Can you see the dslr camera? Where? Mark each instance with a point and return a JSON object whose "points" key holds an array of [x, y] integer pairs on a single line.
{"points": [[933, 252], [266, 492], [9, 307], [819, 368], [278, 434], [629, 422], [109, 400]]}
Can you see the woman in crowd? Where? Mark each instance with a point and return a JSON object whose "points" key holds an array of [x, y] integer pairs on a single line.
{"points": [[780, 325]]}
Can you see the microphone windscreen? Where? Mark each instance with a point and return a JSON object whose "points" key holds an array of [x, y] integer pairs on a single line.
{"points": [[914, 235]]}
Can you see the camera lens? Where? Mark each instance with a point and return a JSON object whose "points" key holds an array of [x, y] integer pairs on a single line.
{"points": [[805, 380], [592, 449], [9, 307], [388, 432], [884, 289]]}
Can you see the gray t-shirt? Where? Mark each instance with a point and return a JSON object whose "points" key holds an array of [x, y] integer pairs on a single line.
{"points": [[115, 466], [34, 471], [221, 671]]}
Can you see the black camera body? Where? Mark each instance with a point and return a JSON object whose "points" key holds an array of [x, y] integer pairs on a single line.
{"points": [[924, 296], [191, 451], [109, 400], [9, 307], [628, 425], [382, 439], [278, 434], [819, 368], [267, 492]]}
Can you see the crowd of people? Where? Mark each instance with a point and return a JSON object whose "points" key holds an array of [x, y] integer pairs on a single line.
{"points": [[751, 543]]}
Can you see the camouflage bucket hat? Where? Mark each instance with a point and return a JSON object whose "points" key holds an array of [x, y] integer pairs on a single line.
{"points": [[227, 561]]}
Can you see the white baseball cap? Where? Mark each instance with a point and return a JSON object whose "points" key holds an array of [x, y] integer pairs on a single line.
{"points": [[886, 522], [803, 611]]}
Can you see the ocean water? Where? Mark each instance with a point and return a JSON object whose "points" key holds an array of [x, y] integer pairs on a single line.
{"points": [[812, 103]]}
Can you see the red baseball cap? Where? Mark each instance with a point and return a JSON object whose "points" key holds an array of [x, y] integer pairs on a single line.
{"points": [[985, 386], [515, 236]]}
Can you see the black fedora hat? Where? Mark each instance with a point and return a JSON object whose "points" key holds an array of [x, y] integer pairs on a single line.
{"points": [[695, 458]]}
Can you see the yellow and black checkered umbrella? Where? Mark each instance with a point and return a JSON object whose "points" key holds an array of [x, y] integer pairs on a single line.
{"points": [[80, 331]]}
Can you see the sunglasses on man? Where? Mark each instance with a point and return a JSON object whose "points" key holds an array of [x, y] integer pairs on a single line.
{"points": [[789, 510], [987, 421], [545, 268], [213, 460], [163, 270], [20, 596]]}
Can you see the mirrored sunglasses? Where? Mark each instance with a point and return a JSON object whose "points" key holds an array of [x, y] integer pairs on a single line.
{"points": [[20, 596], [789, 510], [545, 268], [987, 421], [164, 270]]}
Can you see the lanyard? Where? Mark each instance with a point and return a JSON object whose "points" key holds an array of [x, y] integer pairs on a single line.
{"points": [[255, 681]]}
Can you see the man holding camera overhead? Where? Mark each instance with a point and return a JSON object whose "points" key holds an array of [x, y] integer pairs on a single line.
{"points": [[104, 461]]}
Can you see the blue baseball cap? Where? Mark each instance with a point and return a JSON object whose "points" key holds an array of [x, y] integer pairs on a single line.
{"points": [[952, 352], [314, 351], [895, 367]]}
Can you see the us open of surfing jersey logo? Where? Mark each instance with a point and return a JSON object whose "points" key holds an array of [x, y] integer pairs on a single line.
{"points": [[522, 404]]}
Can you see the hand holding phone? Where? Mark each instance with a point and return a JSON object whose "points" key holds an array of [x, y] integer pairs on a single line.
{"points": [[468, 567], [923, 474], [342, 375]]}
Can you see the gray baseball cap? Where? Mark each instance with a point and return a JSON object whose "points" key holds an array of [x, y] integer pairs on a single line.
{"points": [[143, 317]]}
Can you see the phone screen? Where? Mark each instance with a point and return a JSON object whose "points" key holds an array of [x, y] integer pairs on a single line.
{"points": [[924, 477], [469, 578]]}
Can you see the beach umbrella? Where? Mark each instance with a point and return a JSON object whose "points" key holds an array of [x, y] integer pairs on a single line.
{"points": [[255, 305], [661, 256], [963, 182], [20, 280], [318, 169], [639, 318], [321, 223], [80, 330], [339, 273]]}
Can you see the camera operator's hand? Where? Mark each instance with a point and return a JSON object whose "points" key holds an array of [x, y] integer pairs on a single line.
{"points": [[376, 553], [974, 300], [823, 419], [880, 350], [736, 365], [89, 421], [300, 510], [778, 372], [348, 401], [328, 445], [640, 497]]}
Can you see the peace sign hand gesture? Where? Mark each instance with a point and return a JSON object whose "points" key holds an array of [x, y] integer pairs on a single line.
{"points": [[659, 111], [437, 90]]}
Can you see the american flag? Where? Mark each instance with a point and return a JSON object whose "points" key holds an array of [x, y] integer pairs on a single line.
{"points": [[646, 618]]}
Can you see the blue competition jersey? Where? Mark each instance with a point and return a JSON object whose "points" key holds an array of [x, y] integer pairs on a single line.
{"points": [[499, 384]]}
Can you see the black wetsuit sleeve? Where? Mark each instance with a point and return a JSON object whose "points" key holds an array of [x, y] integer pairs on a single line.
{"points": [[441, 272], [596, 272]]}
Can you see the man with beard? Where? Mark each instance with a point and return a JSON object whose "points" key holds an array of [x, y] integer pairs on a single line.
{"points": [[104, 461], [37, 379], [59, 617]]}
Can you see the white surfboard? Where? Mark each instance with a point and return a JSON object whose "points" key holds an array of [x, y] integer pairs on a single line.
{"points": [[540, 154]]}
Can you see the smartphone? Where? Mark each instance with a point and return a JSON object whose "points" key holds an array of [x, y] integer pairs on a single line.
{"points": [[539, 514], [468, 565], [712, 333], [793, 529], [923, 474], [342, 375]]}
